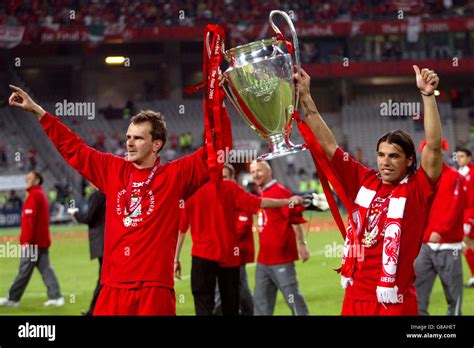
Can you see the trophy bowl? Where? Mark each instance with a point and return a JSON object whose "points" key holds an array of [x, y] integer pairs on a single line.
{"points": [[259, 84]]}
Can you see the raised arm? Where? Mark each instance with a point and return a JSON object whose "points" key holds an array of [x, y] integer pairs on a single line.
{"points": [[312, 117], [92, 164], [431, 157], [277, 203]]}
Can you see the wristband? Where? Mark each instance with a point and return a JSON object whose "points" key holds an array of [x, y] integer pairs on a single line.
{"points": [[427, 95]]}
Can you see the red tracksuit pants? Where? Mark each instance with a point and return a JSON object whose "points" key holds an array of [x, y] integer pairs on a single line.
{"points": [[147, 300], [355, 307]]}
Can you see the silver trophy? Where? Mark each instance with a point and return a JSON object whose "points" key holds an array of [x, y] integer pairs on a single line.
{"points": [[259, 83]]}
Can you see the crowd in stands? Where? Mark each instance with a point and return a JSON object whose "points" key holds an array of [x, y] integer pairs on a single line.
{"points": [[137, 13]]}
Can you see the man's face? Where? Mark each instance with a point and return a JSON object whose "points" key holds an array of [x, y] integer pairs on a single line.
{"points": [[140, 146], [226, 174], [261, 173], [392, 163], [31, 180], [463, 158]]}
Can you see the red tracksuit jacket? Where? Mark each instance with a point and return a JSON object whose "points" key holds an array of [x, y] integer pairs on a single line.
{"points": [[212, 217], [143, 252], [446, 216], [469, 207], [35, 219]]}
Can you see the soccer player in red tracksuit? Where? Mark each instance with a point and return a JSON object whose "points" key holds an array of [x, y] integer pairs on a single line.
{"points": [[143, 201], [442, 244], [212, 214], [466, 168], [390, 207], [281, 240], [247, 255], [35, 241]]}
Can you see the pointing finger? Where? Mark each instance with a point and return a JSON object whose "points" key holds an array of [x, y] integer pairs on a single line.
{"points": [[17, 89]]}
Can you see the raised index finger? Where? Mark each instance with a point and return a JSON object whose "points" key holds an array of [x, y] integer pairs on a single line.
{"points": [[17, 89]]}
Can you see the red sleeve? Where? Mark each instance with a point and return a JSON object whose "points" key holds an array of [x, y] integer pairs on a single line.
{"points": [[192, 171], [350, 172], [28, 220], [294, 214], [243, 226], [95, 166], [469, 207], [425, 188], [245, 201], [183, 221]]}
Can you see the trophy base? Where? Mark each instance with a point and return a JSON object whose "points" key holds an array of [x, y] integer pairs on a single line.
{"points": [[280, 147]]}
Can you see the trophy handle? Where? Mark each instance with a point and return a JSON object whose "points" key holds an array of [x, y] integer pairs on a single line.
{"points": [[208, 48], [296, 48]]}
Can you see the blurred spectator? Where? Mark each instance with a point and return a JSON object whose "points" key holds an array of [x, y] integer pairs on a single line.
{"points": [[173, 141], [52, 196], [129, 110], [315, 184], [32, 158], [309, 53], [303, 186], [99, 144], [14, 202], [3, 199]]}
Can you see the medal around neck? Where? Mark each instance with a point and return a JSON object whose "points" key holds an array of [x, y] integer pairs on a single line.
{"points": [[260, 86], [127, 221]]}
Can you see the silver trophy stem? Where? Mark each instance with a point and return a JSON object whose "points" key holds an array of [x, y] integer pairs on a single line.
{"points": [[296, 46], [280, 146]]}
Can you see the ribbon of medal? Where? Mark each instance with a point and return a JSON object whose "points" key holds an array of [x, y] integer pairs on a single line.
{"points": [[127, 220]]}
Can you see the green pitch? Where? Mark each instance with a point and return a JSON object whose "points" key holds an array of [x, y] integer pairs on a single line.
{"points": [[77, 274]]}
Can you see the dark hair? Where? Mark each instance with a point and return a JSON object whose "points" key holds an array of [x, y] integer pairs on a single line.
{"points": [[38, 176], [157, 122], [403, 140], [465, 150], [230, 168]]}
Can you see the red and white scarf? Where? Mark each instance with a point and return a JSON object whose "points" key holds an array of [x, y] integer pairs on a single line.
{"points": [[353, 251]]}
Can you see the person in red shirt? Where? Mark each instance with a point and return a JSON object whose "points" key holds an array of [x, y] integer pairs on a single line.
{"points": [[35, 241], [211, 213], [389, 206], [442, 243], [247, 255], [279, 230], [466, 169], [143, 207]]}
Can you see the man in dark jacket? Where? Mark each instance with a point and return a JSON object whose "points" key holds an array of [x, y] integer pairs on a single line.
{"points": [[95, 218]]}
